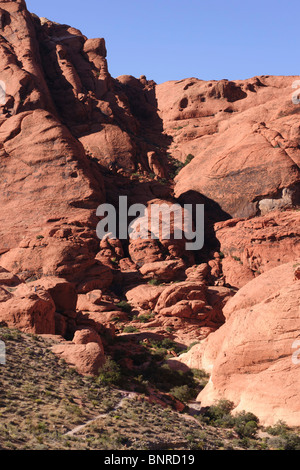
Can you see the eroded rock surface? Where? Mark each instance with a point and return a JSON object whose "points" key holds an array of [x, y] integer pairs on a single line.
{"points": [[73, 137], [250, 358]]}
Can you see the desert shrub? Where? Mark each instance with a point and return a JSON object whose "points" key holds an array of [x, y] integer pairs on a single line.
{"points": [[289, 441], [124, 306], [276, 443], [162, 347], [110, 373], [166, 379], [163, 180], [200, 374], [285, 438], [10, 334], [130, 329], [219, 411], [178, 165], [292, 441], [145, 318], [280, 428], [167, 343], [175, 167], [184, 393], [154, 282], [246, 424], [188, 159]]}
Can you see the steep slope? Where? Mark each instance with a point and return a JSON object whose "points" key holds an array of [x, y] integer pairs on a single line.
{"points": [[253, 359], [244, 136]]}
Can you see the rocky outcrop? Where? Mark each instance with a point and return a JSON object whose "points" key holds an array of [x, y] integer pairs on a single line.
{"points": [[144, 296], [67, 252], [250, 358], [253, 246], [243, 136], [27, 310], [85, 353], [73, 137], [193, 300], [163, 270]]}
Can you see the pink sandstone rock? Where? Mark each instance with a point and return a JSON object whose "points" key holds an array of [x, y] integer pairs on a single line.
{"points": [[250, 358], [28, 311]]}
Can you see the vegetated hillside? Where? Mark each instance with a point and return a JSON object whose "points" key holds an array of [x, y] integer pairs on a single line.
{"points": [[43, 399]]}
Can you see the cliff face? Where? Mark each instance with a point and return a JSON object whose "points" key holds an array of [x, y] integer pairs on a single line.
{"points": [[244, 136], [72, 137]]}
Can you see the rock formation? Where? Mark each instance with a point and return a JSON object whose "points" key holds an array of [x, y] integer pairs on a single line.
{"points": [[244, 139], [73, 137]]}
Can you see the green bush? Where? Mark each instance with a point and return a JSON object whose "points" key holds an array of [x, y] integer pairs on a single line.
{"points": [[280, 428], [162, 348], [125, 306], [145, 318], [10, 334], [218, 411], [154, 282], [285, 439], [176, 167], [167, 343], [292, 441], [245, 424], [110, 373], [289, 441], [165, 378], [130, 329], [201, 376]]}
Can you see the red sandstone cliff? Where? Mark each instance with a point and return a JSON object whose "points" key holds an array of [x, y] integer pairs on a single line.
{"points": [[73, 137]]}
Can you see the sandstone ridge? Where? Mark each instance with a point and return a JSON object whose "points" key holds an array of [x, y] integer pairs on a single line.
{"points": [[73, 137]]}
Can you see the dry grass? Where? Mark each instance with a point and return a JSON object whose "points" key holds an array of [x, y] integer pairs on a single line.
{"points": [[42, 398]]}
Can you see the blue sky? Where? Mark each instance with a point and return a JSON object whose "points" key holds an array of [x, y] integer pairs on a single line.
{"points": [[172, 39]]}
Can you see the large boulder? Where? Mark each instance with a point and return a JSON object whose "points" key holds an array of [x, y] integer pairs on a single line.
{"points": [[194, 300], [250, 358], [112, 147], [144, 296], [167, 270], [253, 246], [46, 168], [62, 292], [69, 253], [85, 353], [8, 279], [244, 136]]}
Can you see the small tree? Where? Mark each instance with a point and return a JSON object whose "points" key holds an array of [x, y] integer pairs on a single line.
{"points": [[110, 373]]}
